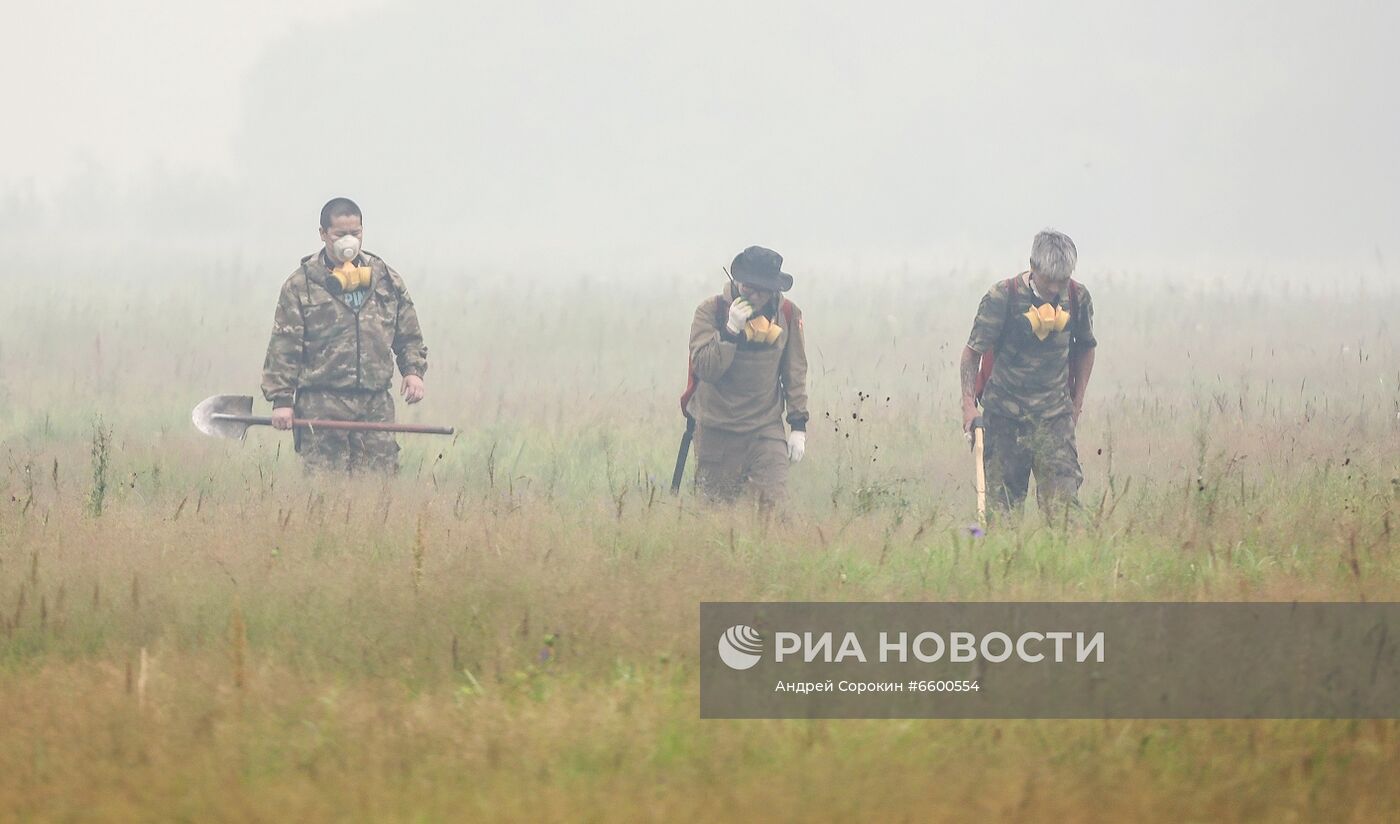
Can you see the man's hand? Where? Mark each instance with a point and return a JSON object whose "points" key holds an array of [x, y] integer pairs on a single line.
{"points": [[282, 418], [413, 390], [739, 313], [969, 415], [797, 445]]}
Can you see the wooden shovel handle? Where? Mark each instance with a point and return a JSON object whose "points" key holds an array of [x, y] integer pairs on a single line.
{"points": [[353, 426], [372, 426]]}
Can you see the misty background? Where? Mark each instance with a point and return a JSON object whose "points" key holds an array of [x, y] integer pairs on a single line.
{"points": [[1196, 140], [560, 184]]}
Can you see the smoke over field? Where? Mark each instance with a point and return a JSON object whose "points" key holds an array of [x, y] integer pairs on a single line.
{"points": [[193, 628]]}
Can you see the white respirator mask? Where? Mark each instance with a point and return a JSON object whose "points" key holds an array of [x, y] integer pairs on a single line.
{"points": [[345, 248]]}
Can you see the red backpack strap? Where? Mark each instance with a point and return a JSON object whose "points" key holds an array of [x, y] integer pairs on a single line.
{"points": [[1073, 318], [690, 384]]}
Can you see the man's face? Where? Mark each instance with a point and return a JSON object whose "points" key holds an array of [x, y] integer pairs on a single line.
{"points": [[756, 297], [339, 228], [1049, 288]]}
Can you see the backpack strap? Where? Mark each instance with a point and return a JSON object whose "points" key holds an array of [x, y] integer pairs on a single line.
{"points": [[1073, 318], [1073, 304], [1011, 287], [984, 371], [691, 382]]}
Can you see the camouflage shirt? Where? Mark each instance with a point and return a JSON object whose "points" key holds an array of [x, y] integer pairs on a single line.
{"points": [[321, 342], [1030, 378]]}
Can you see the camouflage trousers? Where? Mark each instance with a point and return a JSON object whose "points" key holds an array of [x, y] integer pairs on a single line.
{"points": [[731, 465], [1015, 449], [338, 451]]}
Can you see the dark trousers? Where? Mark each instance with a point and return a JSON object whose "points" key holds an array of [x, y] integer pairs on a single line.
{"points": [[1015, 449]]}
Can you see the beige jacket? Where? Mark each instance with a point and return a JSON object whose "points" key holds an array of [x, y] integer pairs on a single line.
{"points": [[746, 387]]}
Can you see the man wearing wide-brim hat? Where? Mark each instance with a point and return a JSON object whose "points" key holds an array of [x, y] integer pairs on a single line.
{"points": [[749, 374]]}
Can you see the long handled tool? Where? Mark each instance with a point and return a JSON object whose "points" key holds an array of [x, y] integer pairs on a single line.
{"points": [[979, 454], [682, 455], [229, 416]]}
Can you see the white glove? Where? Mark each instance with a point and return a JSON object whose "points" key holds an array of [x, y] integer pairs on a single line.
{"points": [[797, 445], [739, 313]]}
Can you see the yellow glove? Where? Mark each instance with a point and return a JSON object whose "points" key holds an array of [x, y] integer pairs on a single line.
{"points": [[1046, 319]]}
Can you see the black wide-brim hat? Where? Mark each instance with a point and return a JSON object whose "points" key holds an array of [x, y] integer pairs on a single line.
{"points": [[761, 268]]}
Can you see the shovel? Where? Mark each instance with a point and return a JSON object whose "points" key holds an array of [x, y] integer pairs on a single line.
{"points": [[229, 416]]}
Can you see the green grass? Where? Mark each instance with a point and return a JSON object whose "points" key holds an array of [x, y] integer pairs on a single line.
{"points": [[509, 629]]}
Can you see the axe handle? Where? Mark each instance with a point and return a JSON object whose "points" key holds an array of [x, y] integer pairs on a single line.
{"points": [[979, 451], [354, 426]]}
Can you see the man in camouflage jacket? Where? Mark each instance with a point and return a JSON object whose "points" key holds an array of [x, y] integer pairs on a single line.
{"points": [[1040, 327], [745, 374], [343, 321]]}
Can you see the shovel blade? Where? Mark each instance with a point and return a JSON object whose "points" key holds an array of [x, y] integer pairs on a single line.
{"points": [[205, 421]]}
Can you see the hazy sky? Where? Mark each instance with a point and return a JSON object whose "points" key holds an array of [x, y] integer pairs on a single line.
{"points": [[1251, 133], [135, 83]]}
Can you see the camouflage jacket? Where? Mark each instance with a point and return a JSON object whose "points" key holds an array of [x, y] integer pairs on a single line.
{"points": [[320, 342], [742, 386], [1030, 379]]}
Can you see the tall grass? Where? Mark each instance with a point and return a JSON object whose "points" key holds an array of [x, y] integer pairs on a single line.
{"points": [[101, 450], [509, 629]]}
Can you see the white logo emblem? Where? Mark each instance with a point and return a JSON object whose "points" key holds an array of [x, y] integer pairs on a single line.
{"points": [[740, 647]]}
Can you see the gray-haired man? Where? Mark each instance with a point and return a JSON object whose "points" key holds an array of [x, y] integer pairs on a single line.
{"points": [[1034, 340]]}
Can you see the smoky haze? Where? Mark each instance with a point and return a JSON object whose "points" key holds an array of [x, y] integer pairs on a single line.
{"points": [[628, 137]]}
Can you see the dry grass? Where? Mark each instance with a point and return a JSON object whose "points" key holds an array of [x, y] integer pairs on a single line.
{"points": [[508, 630]]}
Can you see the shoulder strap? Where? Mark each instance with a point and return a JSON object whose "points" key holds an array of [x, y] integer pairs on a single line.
{"points": [[692, 382], [988, 360], [1073, 309], [1012, 283]]}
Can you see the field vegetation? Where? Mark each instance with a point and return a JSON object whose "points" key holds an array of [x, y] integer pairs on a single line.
{"points": [[192, 630]]}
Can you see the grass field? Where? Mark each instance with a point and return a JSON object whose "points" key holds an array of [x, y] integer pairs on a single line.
{"points": [[192, 631]]}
